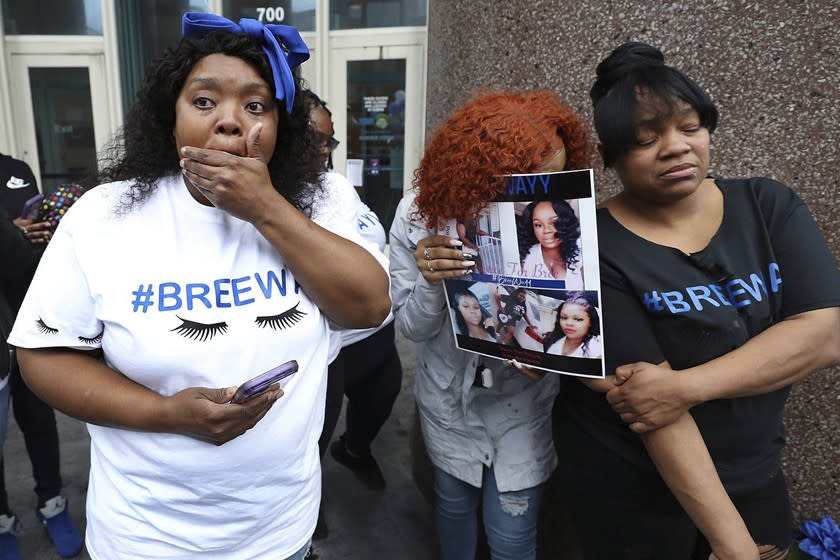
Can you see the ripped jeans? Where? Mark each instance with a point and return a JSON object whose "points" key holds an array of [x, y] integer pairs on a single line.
{"points": [[510, 518]]}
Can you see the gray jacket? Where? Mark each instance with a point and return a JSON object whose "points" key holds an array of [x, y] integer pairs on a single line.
{"points": [[465, 427]]}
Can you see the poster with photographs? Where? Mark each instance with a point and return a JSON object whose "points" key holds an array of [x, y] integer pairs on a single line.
{"points": [[534, 293]]}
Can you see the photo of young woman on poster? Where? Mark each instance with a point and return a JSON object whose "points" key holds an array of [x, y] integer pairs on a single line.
{"points": [[577, 329], [471, 318], [549, 242], [546, 328]]}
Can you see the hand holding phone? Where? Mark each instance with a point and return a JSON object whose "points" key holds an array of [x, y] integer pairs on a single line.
{"points": [[260, 383], [31, 207]]}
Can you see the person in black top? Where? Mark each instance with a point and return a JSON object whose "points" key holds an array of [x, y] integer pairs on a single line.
{"points": [[512, 307], [17, 185], [20, 261], [717, 294], [35, 418]]}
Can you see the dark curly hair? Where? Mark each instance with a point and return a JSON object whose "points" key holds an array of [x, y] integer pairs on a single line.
{"points": [[311, 101], [567, 231], [496, 133], [144, 150], [577, 298]]}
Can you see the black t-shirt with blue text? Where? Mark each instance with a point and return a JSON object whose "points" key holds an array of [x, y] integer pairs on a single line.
{"points": [[767, 261]]}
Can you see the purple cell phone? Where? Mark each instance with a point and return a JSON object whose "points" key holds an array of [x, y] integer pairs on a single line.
{"points": [[30, 207], [260, 383]]}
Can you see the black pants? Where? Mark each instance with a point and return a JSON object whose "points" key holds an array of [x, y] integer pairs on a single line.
{"points": [[36, 420], [624, 512], [335, 398], [370, 374]]}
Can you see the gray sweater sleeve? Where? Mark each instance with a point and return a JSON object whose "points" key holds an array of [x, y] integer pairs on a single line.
{"points": [[420, 307]]}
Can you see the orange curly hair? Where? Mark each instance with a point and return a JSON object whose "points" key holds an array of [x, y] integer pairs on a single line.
{"points": [[496, 133]]}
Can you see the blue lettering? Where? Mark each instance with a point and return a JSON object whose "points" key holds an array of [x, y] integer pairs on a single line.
{"points": [[734, 292], [237, 290], [697, 293], [169, 290], [652, 301], [775, 277], [191, 290], [532, 181], [756, 287], [675, 302], [527, 184], [272, 280], [228, 292], [217, 286], [719, 293], [545, 179], [739, 292]]}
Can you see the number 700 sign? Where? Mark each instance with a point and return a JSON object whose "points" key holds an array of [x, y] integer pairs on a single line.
{"points": [[271, 14]]}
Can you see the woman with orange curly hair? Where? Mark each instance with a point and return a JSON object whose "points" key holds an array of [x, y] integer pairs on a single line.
{"points": [[487, 427], [495, 134]]}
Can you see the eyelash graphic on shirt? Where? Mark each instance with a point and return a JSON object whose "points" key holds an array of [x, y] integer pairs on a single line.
{"points": [[283, 320], [45, 328], [199, 331], [95, 340]]}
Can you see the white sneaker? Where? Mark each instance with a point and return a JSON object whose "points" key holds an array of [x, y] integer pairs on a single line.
{"points": [[63, 532], [7, 523], [53, 507]]}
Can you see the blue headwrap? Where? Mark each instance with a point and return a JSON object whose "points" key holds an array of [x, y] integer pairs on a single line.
{"points": [[282, 45]]}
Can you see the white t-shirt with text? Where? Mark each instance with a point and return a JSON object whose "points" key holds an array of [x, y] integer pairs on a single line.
{"points": [[180, 295]]}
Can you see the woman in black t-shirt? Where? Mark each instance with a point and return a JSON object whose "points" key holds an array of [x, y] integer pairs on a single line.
{"points": [[717, 296]]}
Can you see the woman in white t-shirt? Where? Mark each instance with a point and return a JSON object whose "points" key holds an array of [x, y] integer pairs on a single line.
{"points": [[210, 259]]}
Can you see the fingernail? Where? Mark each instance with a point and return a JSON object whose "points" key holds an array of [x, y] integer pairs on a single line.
{"points": [[184, 150], [455, 242], [468, 263], [181, 163], [468, 271]]}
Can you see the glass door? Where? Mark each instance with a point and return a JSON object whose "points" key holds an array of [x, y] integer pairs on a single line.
{"points": [[60, 113], [380, 130]]}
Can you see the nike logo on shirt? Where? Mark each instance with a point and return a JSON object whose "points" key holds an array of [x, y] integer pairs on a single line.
{"points": [[16, 183]]}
